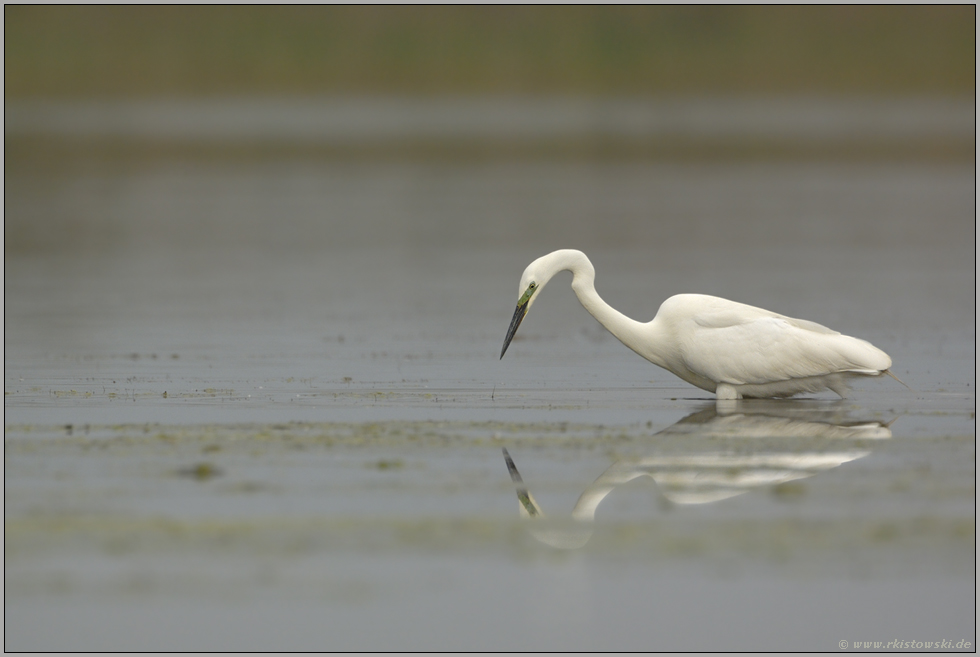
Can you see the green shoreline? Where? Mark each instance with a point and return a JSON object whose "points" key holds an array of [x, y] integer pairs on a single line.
{"points": [[118, 51]]}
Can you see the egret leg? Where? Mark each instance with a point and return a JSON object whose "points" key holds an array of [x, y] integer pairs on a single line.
{"points": [[727, 391], [839, 386]]}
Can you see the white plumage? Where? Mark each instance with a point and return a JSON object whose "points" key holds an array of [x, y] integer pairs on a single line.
{"points": [[722, 346]]}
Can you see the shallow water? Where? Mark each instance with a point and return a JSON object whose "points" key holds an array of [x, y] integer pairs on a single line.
{"points": [[257, 404]]}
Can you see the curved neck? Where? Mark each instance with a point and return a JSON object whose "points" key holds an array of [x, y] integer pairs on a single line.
{"points": [[618, 473], [628, 331]]}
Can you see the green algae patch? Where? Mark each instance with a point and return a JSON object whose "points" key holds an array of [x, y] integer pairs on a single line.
{"points": [[200, 471], [388, 464]]}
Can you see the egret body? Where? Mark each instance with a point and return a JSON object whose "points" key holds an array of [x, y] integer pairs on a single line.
{"points": [[721, 346]]}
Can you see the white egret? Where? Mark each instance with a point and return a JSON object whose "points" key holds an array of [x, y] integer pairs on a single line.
{"points": [[721, 346]]}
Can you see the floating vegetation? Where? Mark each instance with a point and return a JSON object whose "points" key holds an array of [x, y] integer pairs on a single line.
{"points": [[200, 471]]}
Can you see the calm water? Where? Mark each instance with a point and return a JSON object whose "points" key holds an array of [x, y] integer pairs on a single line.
{"points": [[256, 402]]}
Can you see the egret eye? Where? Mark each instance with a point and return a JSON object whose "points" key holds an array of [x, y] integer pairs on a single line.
{"points": [[532, 285]]}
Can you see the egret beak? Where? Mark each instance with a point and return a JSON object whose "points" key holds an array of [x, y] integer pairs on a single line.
{"points": [[523, 496], [515, 322]]}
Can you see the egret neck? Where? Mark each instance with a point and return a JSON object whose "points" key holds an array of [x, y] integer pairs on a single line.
{"points": [[635, 335]]}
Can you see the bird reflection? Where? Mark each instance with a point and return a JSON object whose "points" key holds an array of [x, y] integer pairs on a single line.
{"points": [[803, 442]]}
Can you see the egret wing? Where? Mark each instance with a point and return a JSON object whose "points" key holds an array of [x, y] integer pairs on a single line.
{"points": [[737, 314], [741, 347]]}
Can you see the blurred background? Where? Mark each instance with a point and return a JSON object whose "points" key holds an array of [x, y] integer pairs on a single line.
{"points": [[724, 148], [237, 218], [125, 52], [409, 98]]}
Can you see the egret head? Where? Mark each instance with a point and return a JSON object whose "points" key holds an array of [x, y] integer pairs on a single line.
{"points": [[533, 279]]}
